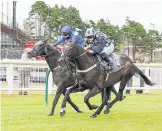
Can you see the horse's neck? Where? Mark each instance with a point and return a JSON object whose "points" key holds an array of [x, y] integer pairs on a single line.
{"points": [[52, 59], [86, 61]]}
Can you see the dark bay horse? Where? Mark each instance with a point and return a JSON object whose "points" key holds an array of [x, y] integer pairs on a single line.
{"points": [[63, 77], [90, 74], [60, 75]]}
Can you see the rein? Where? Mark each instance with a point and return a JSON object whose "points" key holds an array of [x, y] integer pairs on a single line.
{"points": [[56, 68], [86, 70], [82, 54]]}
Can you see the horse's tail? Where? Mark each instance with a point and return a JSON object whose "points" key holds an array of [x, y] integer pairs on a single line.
{"points": [[129, 64], [147, 81]]}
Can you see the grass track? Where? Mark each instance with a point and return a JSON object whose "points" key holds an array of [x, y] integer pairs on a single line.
{"points": [[29, 113]]}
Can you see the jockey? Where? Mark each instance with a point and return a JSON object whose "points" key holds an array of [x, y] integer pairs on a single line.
{"points": [[69, 35], [101, 44]]}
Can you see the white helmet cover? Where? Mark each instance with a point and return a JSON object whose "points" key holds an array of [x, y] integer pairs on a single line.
{"points": [[90, 32]]}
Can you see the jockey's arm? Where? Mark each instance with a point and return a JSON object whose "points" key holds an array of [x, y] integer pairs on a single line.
{"points": [[99, 43], [77, 38], [87, 45], [98, 48], [59, 42]]}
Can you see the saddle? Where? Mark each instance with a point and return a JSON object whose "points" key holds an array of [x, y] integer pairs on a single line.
{"points": [[112, 66], [104, 65]]}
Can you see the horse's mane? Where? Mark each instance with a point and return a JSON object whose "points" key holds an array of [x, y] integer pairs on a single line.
{"points": [[49, 45], [53, 48]]}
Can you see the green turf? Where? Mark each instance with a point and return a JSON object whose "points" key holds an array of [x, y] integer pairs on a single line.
{"points": [[29, 113]]}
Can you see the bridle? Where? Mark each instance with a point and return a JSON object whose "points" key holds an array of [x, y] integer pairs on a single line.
{"points": [[70, 60], [84, 53], [37, 53]]}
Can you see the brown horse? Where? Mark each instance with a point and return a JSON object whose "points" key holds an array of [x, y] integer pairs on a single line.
{"points": [[92, 77]]}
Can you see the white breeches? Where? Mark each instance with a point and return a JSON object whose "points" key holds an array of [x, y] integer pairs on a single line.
{"points": [[108, 49]]}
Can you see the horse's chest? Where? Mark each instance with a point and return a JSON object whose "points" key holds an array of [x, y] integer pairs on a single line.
{"points": [[63, 77]]}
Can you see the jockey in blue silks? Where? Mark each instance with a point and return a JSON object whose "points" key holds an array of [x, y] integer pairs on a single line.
{"points": [[69, 35]]}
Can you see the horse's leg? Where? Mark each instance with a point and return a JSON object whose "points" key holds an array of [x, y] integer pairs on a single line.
{"points": [[114, 90], [102, 95], [67, 97], [107, 97], [59, 91], [94, 91], [123, 83], [104, 102], [72, 104], [120, 93]]}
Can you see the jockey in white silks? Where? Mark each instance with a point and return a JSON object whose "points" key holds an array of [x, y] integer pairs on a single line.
{"points": [[100, 44]]}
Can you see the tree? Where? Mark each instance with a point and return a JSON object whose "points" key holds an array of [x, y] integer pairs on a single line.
{"points": [[41, 14], [55, 17], [52, 18], [71, 17], [152, 40], [112, 31], [134, 32], [39, 9], [28, 27]]}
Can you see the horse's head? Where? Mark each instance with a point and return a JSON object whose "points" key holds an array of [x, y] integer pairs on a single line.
{"points": [[39, 49], [71, 51]]}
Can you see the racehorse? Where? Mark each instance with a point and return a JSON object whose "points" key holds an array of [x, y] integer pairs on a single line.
{"points": [[63, 77], [90, 74]]}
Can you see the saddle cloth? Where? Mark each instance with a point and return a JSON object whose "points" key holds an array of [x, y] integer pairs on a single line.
{"points": [[114, 59]]}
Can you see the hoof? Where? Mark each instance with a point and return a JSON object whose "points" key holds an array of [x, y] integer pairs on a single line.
{"points": [[123, 98], [80, 111], [50, 114], [94, 107], [107, 111], [94, 116], [62, 113]]}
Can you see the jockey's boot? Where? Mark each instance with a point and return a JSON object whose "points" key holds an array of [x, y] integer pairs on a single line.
{"points": [[105, 57]]}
